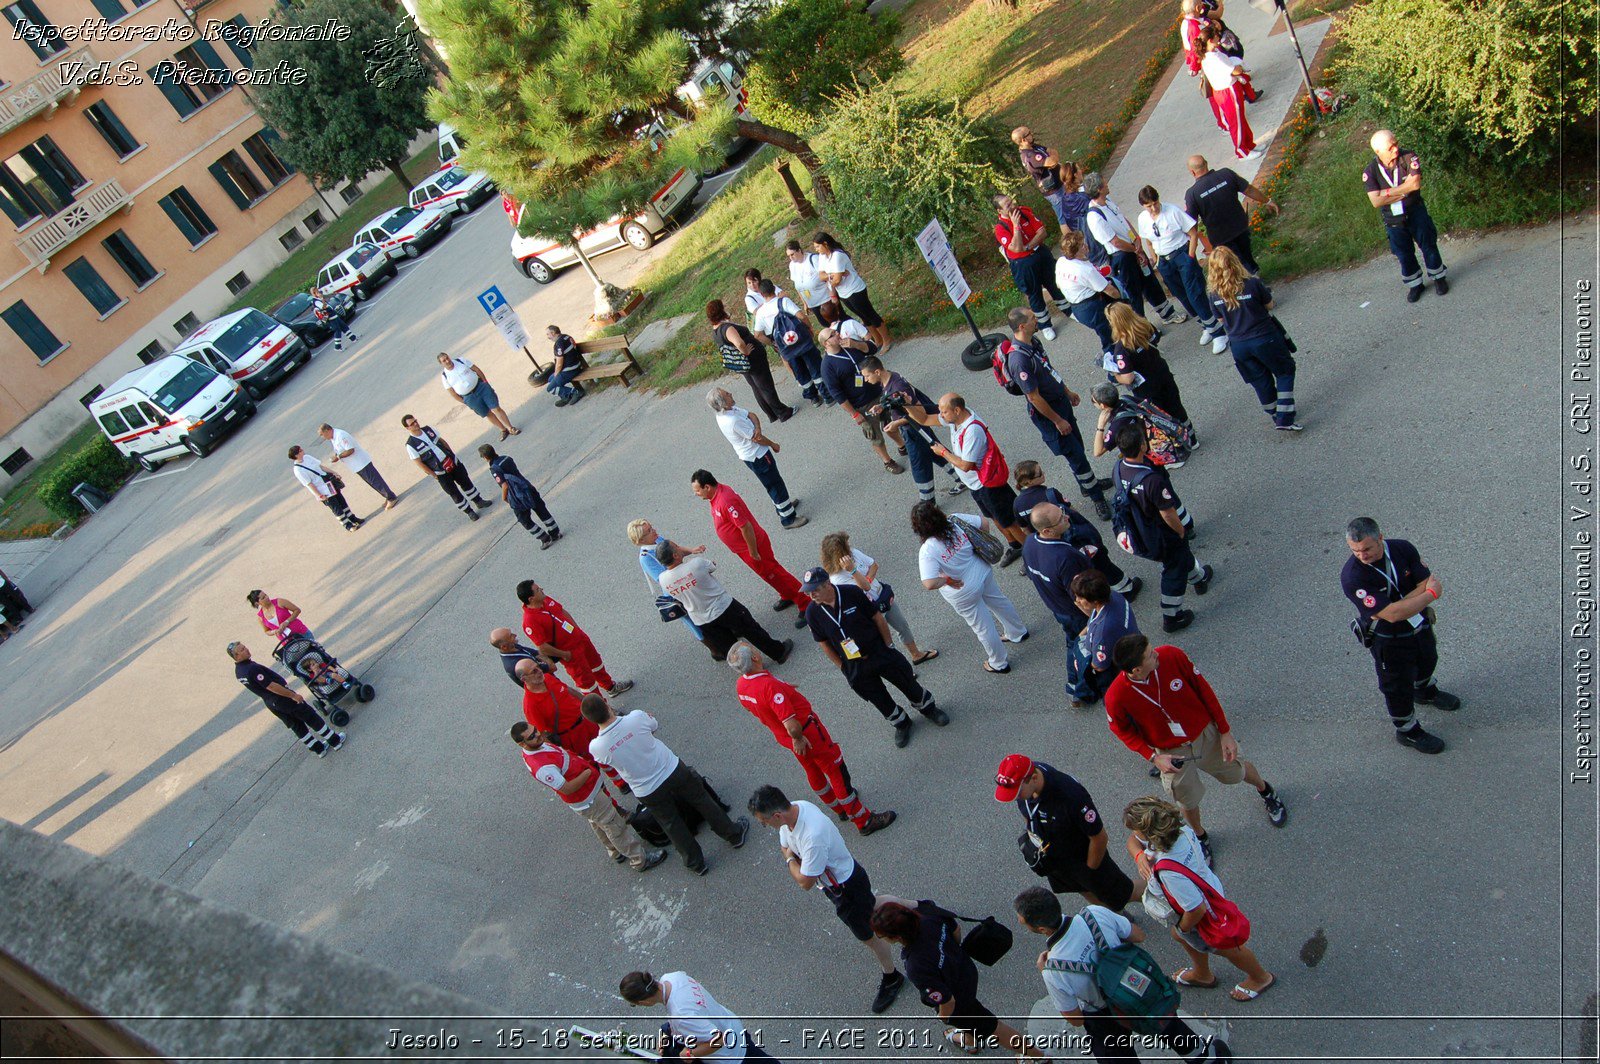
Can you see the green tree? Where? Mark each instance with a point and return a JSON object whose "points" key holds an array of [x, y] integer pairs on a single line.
{"points": [[898, 161], [342, 124], [1468, 81], [807, 51]]}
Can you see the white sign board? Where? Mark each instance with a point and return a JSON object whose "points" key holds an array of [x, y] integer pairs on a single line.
{"points": [[935, 247], [504, 318]]}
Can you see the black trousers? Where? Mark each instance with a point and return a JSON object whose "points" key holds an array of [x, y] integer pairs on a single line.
{"points": [[341, 509], [15, 602], [686, 786], [298, 717], [1240, 246], [868, 675], [759, 378], [524, 515], [458, 486], [736, 623], [1405, 667], [1113, 1043]]}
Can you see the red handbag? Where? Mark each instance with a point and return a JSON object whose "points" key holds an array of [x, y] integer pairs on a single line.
{"points": [[1224, 926], [993, 470]]}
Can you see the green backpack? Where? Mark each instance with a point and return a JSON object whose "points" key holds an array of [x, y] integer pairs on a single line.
{"points": [[1135, 988]]}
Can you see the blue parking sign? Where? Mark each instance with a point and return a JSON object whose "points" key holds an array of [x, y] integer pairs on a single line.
{"points": [[492, 300]]}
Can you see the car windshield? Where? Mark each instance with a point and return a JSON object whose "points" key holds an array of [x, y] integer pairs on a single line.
{"points": [[398, 220], [187, 383], [452, 177], [363, 254], [244, 334], [293, 307]]}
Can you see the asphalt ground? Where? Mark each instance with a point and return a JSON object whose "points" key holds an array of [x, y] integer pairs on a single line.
{"points": [[1412, 908]]}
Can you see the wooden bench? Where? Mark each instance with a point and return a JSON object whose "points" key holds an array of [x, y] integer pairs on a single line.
{"points": [[616, 361]]}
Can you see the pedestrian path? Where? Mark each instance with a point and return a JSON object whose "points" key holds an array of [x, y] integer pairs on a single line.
{"points": [[18, 557], [1181, 124]]}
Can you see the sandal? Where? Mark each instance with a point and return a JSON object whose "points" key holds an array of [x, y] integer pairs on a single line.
{"points": [[990, 668], [1242, 993], [926, 655], [1178, 977]]}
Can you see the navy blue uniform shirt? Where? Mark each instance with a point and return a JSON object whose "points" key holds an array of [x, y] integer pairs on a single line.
{"points": [[1080, 530], [1062, 819], [1030, 368], [1051, 565], [1250, 319], [1101, 633], [256, 677], [1374, 588], [842, 374], [852, 616], [1150, 492], [936, 964]]}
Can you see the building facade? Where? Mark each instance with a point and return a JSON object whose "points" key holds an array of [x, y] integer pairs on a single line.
{"points": [[142, 190]]}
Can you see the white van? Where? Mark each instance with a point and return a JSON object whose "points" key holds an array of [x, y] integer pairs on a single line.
{"points": [[450, 144], [171, 406], [248, 346]]}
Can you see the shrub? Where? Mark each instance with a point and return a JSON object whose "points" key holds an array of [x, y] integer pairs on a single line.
{"points": [[896, 162], [1463, 81], [808, 51], [99, 464]]}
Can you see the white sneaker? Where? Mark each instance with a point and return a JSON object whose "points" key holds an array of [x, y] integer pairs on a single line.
{"points": [[1206, 336], [1049, 332], [1258, 153], [1220, 344]]}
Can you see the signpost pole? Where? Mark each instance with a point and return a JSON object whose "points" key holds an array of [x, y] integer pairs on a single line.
{"points": [[935, 248]]}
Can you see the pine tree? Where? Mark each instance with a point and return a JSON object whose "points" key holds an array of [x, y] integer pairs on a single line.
{"points": [[345, 121]]}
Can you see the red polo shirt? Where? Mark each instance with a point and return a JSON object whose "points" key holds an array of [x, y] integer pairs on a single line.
{"points": [[1148, 716], [771, 701], [554, 766], [1002, 233], [555, 710], [729, 514], [550, 623]]}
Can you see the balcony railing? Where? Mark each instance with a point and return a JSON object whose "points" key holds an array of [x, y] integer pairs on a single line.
{"points": [[44, 91], [61, 229]]}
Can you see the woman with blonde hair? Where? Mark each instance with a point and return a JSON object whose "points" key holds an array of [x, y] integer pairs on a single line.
{"points": [[847, 566], [1136, 363], [643, 534], [1262, 350], [1171, 860]]}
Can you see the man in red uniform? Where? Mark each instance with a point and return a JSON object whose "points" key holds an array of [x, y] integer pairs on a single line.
{"points": [[739, 532], [1164, 710], [549, 706], [557, 636], [576, 781], [788, 715]]}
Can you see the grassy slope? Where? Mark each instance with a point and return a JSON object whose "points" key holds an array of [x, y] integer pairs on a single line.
{"points": [[1022, 65], [299, 271], [20, 508]]}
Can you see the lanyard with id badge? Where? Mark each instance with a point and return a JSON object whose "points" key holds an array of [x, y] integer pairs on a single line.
{"points": [[1398, 207], [1155, 681], [852, 651], [1396, 592]]}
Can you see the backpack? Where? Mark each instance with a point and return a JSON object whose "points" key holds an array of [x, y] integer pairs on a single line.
{"points": [[1135, 988], [993, 472], [1170, 439], [1127, 522], [1002, 375], [790, 335], [1224, 925]]}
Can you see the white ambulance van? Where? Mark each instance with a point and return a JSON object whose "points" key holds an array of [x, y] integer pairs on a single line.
{"points": [[171, 406]]}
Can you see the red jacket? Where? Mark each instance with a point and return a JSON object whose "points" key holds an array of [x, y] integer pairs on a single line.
{"points": [[771, 701], [550, 623], [1139, 713], [1002, 233], [555, 710]]}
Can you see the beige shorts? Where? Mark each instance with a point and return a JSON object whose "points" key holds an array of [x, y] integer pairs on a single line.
{"points": [[1202, 754]]}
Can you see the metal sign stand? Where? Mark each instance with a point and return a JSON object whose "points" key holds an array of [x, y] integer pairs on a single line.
{"points": [[935, 247]]}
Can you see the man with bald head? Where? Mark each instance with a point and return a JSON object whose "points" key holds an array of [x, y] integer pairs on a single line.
{"points": [[512, 653], [1213, 200], [1394, 185], [1052, 561]]}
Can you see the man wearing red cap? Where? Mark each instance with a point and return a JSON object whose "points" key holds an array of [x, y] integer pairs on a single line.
{"points": [[788, 715], [739, 533], [558, 637], [1164, 710], [1065, 840]]}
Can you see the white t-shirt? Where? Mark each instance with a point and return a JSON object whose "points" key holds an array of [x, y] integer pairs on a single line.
{"points": [[859, 563], [313, 474], [1168, 230], [850, 329], [839, 262], [695, 1016], [970, 442], [459, 378], [753, 300], [1186, 851], [342, 441], [815, 839], [1113, 224], [937, 558], [762, 323], [1217, 69], [735, 424], [808, 283], [629, 745], [692, 584], [1072, 991], [1079, 279]]}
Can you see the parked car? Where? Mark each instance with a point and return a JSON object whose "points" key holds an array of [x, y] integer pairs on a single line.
{"points": [[297, 314], [453, 189], [407, 231], [247, 346], [540, 259], [361, 271], [171, 406]]}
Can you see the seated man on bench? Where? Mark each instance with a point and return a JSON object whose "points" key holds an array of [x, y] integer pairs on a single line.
{"points": [[569, 363]]}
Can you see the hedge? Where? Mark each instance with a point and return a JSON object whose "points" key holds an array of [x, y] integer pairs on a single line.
{"points": [[99, 464]]}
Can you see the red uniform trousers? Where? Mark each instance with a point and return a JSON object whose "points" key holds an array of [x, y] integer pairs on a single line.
{"points": [[1228, 105], [829, 777], [777, 577], [585, 667]]}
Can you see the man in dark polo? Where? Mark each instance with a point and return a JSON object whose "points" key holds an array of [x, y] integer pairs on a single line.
{"points": [[275, 693], [1064, 841], [1213, 200], [1393, 180], [504, 640]]}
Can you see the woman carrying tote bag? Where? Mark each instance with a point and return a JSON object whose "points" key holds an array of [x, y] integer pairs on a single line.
{"points": [[949, 564], [743, 354], [1203, 920]]}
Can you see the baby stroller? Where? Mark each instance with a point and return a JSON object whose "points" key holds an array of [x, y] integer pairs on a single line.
{"points": [[331, 684]]}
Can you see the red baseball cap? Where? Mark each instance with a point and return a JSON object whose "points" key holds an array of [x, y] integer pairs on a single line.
{"points": [[1008, 778]]}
